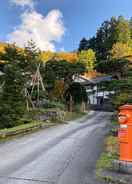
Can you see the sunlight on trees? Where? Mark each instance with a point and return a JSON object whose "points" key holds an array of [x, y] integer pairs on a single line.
{"points": [[88, 58]]}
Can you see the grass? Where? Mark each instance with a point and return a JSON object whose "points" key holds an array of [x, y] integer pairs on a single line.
{"points": [[70, 116], [27, 124], [24, 126], [8, 133], [105, 162], [32, 125], [110, 154], [114, 122]]}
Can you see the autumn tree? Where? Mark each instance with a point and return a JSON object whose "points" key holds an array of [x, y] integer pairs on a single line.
{"points": [[130, 25], [121, 50], [87, 58], [68, 56], [110, 32], [46, 56], [122, 30]]}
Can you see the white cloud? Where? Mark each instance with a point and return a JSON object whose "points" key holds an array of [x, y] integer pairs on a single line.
{"points": [[29, 3], [44, 31]]}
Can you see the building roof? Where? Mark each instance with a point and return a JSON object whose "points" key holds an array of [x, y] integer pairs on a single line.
{"points": [[86, 81], [101, 79]]}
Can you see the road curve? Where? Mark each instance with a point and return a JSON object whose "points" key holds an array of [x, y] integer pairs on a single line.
{"points": [[65, 154]]}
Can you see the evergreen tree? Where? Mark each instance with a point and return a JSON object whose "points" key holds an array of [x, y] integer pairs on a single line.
{"points": [[83, 44], [12, 101], [111, 31], [19, 68], [32, 55]]}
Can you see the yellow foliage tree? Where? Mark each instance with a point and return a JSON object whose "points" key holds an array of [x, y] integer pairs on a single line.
{"points": [[70, 57], [88, 58], [46, 56], [121, 50]]}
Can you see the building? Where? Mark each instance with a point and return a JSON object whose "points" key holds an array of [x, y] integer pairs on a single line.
{"points": [[97, 93]]}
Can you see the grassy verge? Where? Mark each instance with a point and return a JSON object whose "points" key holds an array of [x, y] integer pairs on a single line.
{"points": [[105, 162], [114, 128], [32, 126], [5, 134], [70, 116], [24, 126]]}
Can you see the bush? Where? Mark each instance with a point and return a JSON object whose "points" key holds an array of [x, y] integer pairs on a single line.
{"points": [[10, 114], [121, 99]]}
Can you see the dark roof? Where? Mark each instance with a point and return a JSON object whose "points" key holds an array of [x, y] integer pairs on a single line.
{"points": [[96, 80], [101, 79]]}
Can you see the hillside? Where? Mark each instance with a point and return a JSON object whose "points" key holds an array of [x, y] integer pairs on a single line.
{"points": [[2, 46]]}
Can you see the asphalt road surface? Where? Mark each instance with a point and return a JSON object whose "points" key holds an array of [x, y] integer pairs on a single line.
{"points": [[65, 154]]}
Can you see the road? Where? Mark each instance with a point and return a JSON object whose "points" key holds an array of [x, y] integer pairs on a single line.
{"points": [[65, 154]]}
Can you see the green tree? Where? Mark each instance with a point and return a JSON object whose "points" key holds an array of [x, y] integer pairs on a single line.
{"points": [[116, 67], [88, 58], [32, 57], [61, 70], [110, 32], [18, 70], [75, 95], [122, 90], [122, 30], [12, 100], [83, 44], [103, 40]]}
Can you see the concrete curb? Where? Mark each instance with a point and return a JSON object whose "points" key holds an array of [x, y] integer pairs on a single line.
{"points": [[5, 133], [122, 166]]}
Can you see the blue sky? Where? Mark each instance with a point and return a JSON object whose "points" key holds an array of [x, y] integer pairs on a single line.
{"points": [[81, 18]]}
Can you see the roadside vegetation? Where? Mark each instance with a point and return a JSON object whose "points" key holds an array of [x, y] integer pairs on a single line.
{"points": [[34, 91], [110, 153], [105, 164], [70, 116]]}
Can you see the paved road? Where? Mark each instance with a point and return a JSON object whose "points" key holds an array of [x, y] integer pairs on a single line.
{"points": [[65, 154]]}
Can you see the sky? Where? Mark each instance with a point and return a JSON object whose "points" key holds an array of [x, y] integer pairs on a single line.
{"points": [[56, 25]]}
